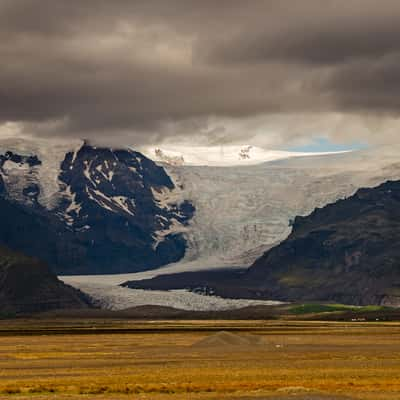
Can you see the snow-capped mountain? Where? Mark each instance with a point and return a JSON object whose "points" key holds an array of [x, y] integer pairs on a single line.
{"points": [[100, 210], [86, 209]]}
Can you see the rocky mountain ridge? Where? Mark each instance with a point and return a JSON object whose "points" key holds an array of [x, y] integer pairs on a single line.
{"points": [[112, 211]]}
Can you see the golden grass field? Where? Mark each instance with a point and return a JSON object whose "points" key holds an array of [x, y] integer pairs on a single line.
{"points": [[164, 360]]}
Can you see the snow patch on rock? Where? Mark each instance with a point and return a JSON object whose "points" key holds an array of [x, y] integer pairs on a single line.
{"points": [[51, 153]]}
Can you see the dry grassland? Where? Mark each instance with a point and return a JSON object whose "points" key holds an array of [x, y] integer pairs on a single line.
{"points": [[190, 360]]}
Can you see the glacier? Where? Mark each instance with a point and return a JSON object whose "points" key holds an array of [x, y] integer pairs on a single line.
{"points": [[241, 211]]}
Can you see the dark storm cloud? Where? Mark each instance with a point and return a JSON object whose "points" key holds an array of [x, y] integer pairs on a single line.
{"points": [[322, 33], [160, 68], [374, 87]]}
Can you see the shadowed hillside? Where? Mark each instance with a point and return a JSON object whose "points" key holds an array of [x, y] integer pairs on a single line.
{"points": [[347, 251], [27, 285]]}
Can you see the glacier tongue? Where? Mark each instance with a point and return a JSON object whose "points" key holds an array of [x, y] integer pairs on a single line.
{"points": [[119, 298]]}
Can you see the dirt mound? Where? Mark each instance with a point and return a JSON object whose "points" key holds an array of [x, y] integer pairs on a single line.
{"points": [[223, 339]]}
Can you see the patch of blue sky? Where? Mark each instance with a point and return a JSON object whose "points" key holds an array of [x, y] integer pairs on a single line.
{"points": [[323, 144]]}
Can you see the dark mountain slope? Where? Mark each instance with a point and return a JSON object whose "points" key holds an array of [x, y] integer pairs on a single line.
{"points": [[27, 285], [348, 252]]}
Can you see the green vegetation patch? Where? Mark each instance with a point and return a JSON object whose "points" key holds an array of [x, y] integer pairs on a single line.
{"points": [[323, 308]]}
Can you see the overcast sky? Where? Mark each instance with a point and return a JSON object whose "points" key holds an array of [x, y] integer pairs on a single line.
{"points": [[273, 73]]}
